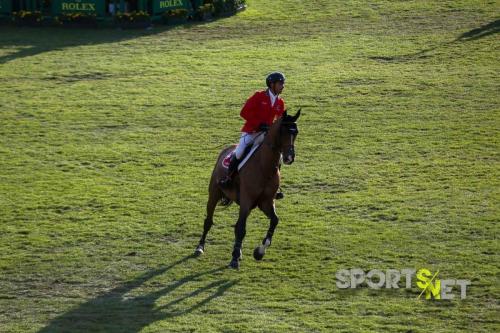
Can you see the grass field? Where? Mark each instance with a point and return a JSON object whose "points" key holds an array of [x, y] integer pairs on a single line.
{"points": [[108, 139]]}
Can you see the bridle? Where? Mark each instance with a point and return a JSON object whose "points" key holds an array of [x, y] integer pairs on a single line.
{"points": [[292, 131]]}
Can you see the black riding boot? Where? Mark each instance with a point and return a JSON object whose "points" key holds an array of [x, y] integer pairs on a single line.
{"points": [[233, 166]]}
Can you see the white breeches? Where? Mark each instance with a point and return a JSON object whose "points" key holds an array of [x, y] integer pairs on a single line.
{"points": [[248, 139]]}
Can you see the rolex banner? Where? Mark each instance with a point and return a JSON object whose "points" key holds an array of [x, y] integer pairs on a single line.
{"points": [[96, 7], [5, 6], [160, 6]]}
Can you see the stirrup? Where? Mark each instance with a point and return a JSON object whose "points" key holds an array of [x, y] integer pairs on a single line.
{"points": [[279, 195]]}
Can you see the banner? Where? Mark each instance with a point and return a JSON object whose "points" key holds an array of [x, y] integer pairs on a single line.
{"points": [[160, 6], [96, 7]]}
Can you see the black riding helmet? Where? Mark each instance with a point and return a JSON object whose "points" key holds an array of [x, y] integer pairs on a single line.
{"points": [[274, 77]]}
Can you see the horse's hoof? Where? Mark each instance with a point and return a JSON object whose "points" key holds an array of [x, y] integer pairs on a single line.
{"points": [[258, 253], [199, 251], [234, 264]]}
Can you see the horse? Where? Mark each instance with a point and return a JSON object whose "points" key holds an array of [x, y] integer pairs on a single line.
{"points": [[255, 185]]}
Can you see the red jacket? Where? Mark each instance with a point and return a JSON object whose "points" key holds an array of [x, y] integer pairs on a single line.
{"points": [[258, 110]]}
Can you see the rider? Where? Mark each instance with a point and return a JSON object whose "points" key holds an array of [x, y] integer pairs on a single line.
{"points": [[259, 112]]}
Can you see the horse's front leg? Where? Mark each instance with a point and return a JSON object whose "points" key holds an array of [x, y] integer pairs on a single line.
{"points": [[239, 235], [268, 208], [214, 196]]}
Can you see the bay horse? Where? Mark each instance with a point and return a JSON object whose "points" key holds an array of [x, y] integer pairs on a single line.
{"points": [[255, 185]]}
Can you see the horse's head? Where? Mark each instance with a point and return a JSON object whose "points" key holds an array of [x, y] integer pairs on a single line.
{"points": [[288, 133]]}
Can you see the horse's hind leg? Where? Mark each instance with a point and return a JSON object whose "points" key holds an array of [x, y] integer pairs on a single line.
{"points": [[214, 196], [268, 208]]}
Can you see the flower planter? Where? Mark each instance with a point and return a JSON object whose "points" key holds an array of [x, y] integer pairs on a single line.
{"points": [[27, 18], [205, 12], [133, 20]]}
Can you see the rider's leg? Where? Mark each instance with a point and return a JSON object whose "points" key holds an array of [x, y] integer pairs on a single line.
{"points": [[245, 140]]}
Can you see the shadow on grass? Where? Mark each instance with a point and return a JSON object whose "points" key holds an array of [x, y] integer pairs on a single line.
{"points": [[115, 311], [32, 41], [29, 41], [483, 31], [477, 33]]}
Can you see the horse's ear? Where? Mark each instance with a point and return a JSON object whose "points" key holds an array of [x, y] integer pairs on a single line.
{"points": [[297, 115]]}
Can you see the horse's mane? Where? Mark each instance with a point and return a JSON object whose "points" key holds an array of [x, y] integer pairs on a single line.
{"points": [[274, 130]]}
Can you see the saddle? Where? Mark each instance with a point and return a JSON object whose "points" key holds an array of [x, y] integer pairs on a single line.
{"points": [[249, 151]]}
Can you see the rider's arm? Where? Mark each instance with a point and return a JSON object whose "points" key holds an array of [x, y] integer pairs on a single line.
{"points": [[281, 109], [249, 111]]}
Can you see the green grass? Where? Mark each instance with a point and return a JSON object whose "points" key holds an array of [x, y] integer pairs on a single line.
{"points": [[108, 139]]}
